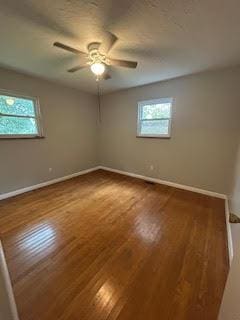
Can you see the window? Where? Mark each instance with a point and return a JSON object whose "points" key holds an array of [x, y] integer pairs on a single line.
{"points": [[154, 118], [19, 116]]}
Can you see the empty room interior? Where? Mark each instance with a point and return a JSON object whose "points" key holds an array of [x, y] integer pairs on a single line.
{"points": [[120, 160]]}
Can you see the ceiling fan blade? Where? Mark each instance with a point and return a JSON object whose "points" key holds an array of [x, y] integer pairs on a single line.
{"points": [[74, 69], [106, 76], [67, 48], [109, 42], [123, 63]]}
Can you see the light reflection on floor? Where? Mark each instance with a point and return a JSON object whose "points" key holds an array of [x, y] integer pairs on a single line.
{"points": [[147, 227], [41, 236], [106, 296]]}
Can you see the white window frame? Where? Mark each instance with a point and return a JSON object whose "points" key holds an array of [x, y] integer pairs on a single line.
{"points": [[141, 104], [37, 117]]}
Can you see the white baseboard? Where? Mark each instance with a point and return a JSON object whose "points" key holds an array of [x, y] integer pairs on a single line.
{"points": [[229, 232], [168, 183], [46, 183], [159, 181]]}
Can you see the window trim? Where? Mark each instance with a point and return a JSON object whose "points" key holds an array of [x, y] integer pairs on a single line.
{"points": [[37, 117], [141, 104]]}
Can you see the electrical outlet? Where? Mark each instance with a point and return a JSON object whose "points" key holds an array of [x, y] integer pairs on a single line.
{"points": [[151, 167], [50, 169]]}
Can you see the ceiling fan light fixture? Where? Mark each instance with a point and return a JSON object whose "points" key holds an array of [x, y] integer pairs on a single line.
{"points": [[98, 68]]}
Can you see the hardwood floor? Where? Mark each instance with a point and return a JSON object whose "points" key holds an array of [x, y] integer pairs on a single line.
{"points": [[105, 246]]}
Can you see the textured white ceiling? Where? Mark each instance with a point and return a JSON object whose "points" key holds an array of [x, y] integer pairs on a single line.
{"points": [[168, 38]]}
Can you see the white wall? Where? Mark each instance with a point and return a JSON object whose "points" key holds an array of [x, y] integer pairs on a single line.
{"points": [[70, 129], [201, 152], [204, 136], [235, 195], [205, 131]]}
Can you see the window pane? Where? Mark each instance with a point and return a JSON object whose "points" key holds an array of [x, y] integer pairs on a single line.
{"points": [[157, 127], [16, 106], [156, 111], [14, 125]]}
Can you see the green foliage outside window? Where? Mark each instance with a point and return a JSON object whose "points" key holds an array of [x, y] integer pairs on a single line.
{"points": [[17, 116]]}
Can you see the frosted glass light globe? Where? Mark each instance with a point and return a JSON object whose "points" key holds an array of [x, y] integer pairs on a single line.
{"points": [[98, 68]]}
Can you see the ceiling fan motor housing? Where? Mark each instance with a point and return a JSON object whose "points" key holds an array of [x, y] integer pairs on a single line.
{"points": [[93, 46]]}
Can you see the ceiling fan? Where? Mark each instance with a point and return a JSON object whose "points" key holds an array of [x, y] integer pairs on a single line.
{"points": [[97, 58]]}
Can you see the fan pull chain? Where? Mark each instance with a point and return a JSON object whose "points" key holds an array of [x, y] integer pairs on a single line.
{"points": [[99, 101]]}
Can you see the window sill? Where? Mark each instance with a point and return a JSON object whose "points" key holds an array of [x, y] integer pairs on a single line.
{"points": [[16, 137], [153, 137]]}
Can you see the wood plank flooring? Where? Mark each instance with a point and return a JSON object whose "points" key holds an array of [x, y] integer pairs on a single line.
{"points": [[105, 246]]}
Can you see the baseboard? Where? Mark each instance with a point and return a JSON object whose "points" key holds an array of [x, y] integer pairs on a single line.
{"points": [[46, 183], [229, 232], [168, 183], [134, 175]]}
